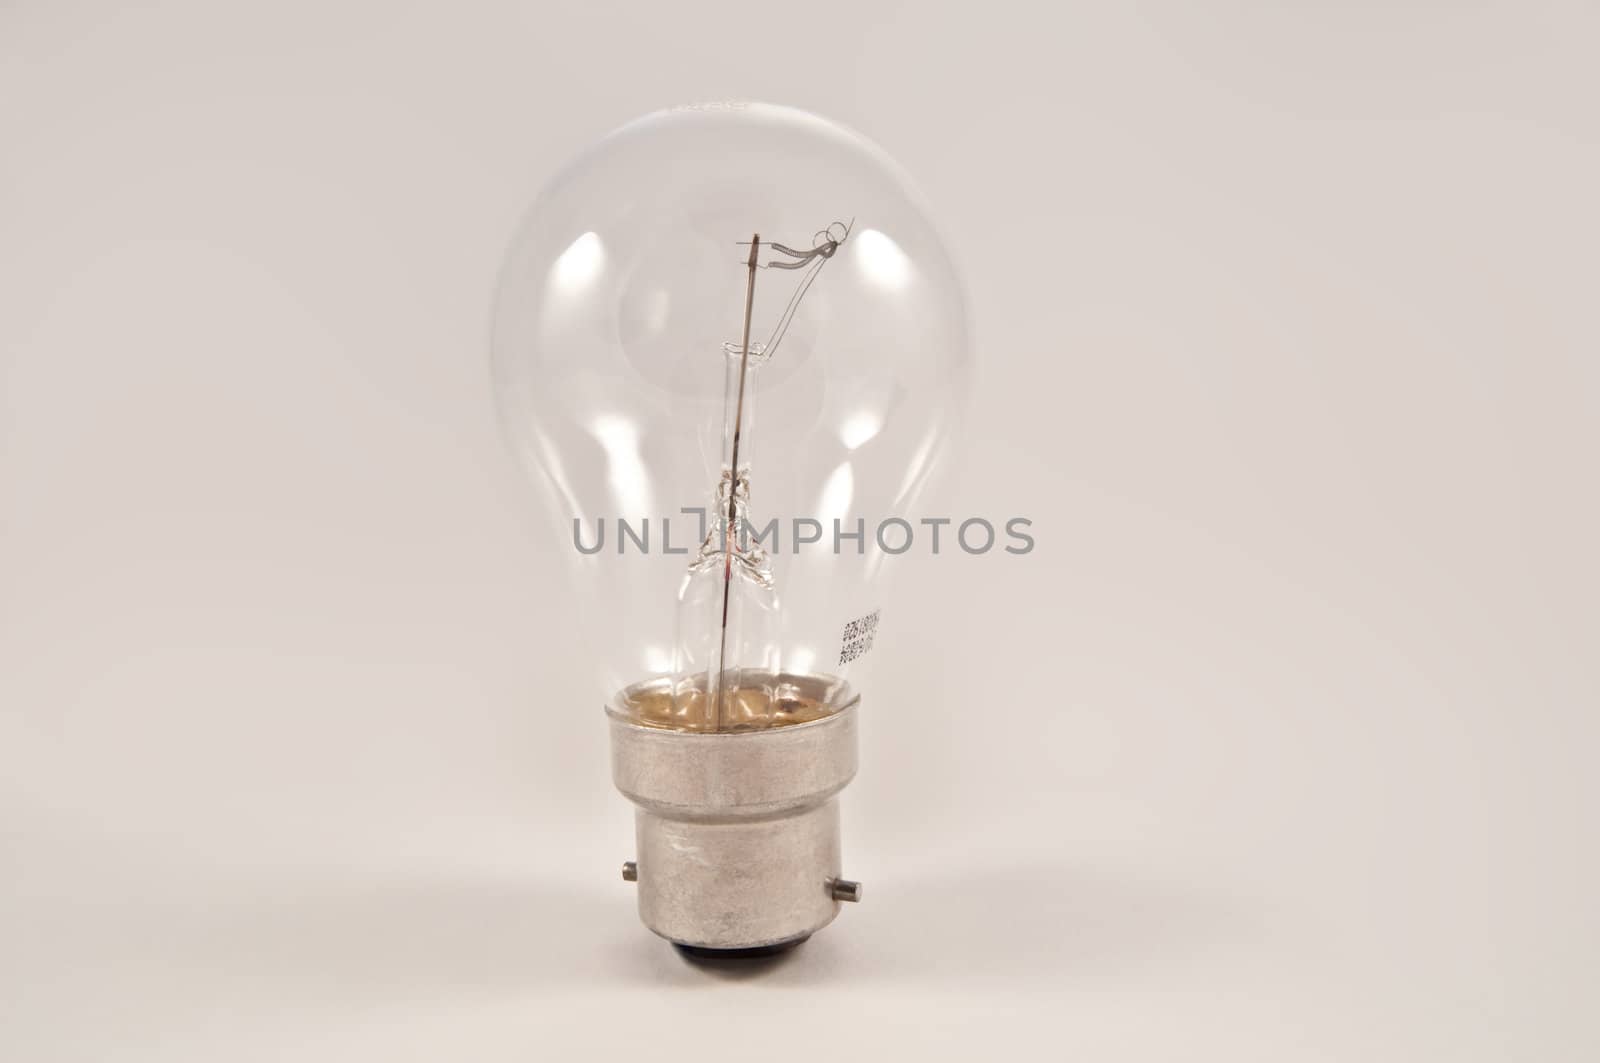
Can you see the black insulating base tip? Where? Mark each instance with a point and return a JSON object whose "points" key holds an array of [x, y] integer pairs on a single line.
{"points": [[698, 952]]}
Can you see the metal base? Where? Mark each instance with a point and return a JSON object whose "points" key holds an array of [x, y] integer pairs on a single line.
{"points": [[737, 833]]}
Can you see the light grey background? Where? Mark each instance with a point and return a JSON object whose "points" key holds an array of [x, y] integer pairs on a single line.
{"points": [[1279, 746]]}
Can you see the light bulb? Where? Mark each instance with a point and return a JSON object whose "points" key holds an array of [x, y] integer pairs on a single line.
{"points": [[730, 348]]}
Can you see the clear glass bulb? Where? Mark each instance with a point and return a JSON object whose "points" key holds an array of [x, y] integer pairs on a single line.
{"points": [[695, 267]]}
